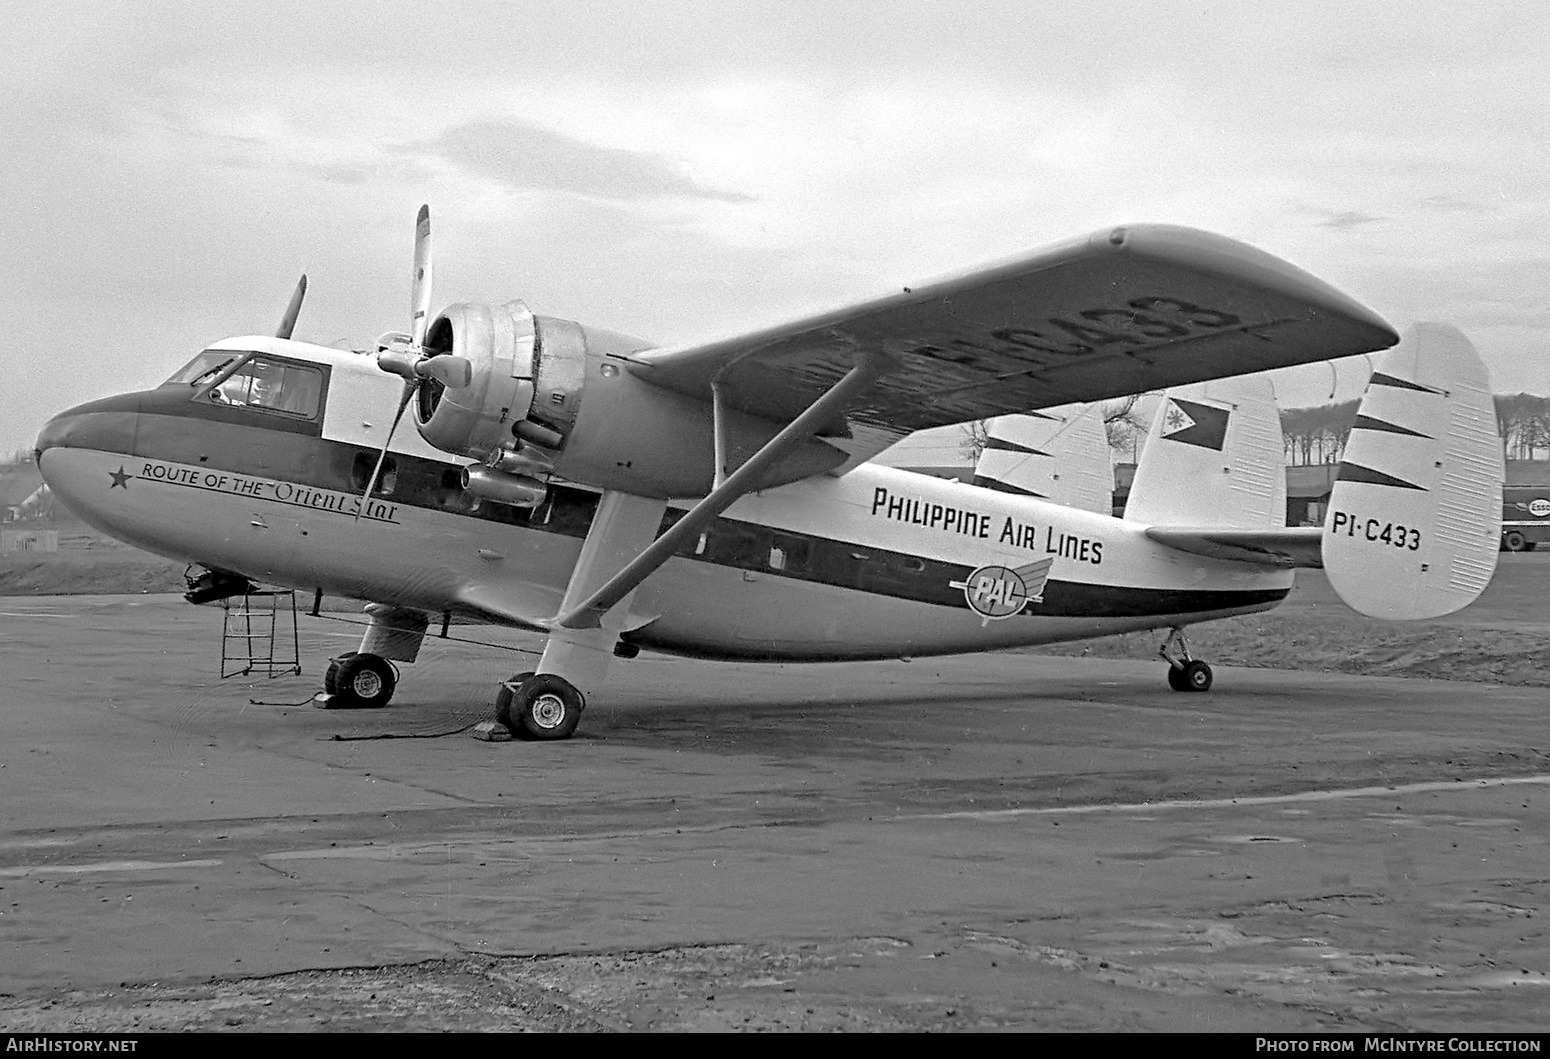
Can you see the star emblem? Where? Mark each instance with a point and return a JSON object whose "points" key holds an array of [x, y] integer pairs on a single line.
{"points": [[120, 478]]}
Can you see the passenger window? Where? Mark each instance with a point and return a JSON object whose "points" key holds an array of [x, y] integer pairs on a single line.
{"points": [[789, 553], [365, 463], [738, 544]]}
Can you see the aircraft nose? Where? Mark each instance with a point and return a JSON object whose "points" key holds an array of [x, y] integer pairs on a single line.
{"points": [[55, 434], [106, 426]]}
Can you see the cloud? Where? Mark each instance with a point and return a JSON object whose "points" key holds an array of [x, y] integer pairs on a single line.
{"points": [[524, 157], [1453, 204], [1348, 219], [1329, 218]]}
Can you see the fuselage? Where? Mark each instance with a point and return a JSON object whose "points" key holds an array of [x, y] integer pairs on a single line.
{"points": [[876, 563]]}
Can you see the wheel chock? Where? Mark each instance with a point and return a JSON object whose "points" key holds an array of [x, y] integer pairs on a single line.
{"points": [[491, 732]]}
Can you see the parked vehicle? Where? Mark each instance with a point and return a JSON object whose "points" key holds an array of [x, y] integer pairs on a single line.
{"points": [[1525, 517]]}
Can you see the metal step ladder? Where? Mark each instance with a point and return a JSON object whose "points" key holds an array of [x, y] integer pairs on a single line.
{"points": [[255, 623]]}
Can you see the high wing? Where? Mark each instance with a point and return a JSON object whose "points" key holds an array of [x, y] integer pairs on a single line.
{"points": [[1123, 311], [1120, 312]]}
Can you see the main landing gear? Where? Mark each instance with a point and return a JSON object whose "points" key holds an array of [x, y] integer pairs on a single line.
{"points": [[1184, 672], [548, 704], [539, 706], [359, 681], [366, 678]]}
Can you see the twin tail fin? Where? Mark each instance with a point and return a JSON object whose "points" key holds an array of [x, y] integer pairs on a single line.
{"points": [[1414, 519], [1058, 454]]}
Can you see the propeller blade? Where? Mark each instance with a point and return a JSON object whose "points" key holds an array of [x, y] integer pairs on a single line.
{"points": [[288, 321], [403, 403], [452, 372], [420, 292]]}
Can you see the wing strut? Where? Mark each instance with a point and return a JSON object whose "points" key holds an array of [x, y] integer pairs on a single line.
{"points": [[588, 614], [720, 414]]}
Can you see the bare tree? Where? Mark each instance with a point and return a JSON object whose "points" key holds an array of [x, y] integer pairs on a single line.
{"points": [[1523, 421], [1317, 435], [1125, 425], [976, 435]]}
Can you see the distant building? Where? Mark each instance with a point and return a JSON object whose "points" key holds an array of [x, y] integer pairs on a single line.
{"points": [[1307, 493], [19, 485], [40, 540]]}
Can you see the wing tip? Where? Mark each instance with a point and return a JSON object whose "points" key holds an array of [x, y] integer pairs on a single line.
{"points": [[1217, 254]]}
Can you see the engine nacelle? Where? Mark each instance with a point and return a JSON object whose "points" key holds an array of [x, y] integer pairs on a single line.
{"points": [[521, 413], [514, 360], [513, 490]]}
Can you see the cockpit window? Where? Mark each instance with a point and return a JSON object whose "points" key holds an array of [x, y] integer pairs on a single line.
{"points": [[205, 367], [272, 384]]}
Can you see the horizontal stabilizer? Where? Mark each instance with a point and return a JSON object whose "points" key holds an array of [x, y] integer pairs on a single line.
{"points": [[1288, 547], [1058, 454], [1415, 516]]}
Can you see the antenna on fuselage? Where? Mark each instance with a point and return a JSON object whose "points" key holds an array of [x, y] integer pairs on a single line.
{"points": [[293, 310]]}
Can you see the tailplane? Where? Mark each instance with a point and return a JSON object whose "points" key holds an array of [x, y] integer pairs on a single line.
{"points": [[1058, 454], [1414, 520], [1214, 457]]}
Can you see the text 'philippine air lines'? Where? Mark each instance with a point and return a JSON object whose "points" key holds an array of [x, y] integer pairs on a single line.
{"points": [[918, 511]]}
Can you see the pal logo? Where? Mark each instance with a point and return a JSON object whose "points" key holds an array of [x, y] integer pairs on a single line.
{"points": [[1539, 508], [995, 592]]}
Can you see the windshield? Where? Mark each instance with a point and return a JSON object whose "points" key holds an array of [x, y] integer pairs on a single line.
{"points": [[204, 367]]}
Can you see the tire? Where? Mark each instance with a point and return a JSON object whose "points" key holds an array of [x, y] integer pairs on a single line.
{"points": [[543, 707], [1196, 676], [1176, 679], [1513, 541], [331, 675], [363, 682], [503, 697]]}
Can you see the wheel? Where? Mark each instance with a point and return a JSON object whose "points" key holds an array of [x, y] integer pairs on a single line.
{"points": [[363, 681], [1176, 679], [503, 697], [543, 706], [1195, 676], [1514, 541], [331, 674]]}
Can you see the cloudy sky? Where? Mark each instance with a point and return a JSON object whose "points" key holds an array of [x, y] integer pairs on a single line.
{"points": [[680, 169]]}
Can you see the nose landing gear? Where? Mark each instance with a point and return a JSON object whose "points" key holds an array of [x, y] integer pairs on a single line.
{"points": [[1185, 673]]}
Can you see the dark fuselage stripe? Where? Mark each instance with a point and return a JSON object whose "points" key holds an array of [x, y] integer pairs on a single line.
{"points": [[415, 482]]}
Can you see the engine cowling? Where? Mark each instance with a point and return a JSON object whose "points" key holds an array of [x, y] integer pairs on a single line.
{"points": [[500, 343], [520, 404]]}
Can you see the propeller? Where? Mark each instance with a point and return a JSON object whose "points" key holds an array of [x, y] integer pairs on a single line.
{"points": [[288, 321], [404, 354]]}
